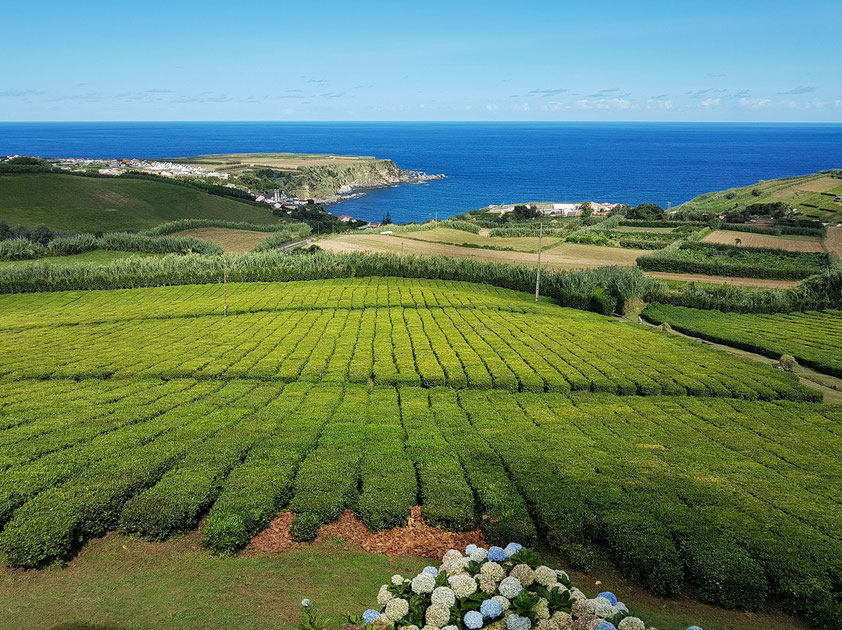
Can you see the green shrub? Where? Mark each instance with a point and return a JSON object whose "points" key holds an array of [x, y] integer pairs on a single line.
{"points": [[305, 526], [21, 249], [225, 535]]}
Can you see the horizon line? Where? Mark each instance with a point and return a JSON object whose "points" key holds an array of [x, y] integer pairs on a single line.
{"points": [[495, 122]]}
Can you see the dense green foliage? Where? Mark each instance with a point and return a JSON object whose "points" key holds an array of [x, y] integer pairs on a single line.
{"points": [[813, 338], [775, 230], [191, 224], [729, 260]]}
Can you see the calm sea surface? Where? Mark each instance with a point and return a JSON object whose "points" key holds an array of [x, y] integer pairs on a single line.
{"points": [[484, 163]]}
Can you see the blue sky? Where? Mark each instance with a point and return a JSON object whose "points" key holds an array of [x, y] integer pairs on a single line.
{"points": [[488, 61]]}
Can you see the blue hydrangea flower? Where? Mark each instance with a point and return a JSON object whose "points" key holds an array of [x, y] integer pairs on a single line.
{"points": [[496, 554], [611, 597], [516, 622], [490, 609], [430, 571], [622, 607], [606, 625], [694, 628], [370, 615], [512, 548], [470, 549], [305, 602], [473, 620]]}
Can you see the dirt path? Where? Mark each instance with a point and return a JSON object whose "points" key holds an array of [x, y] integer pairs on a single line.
{"points": [[833, 241]]}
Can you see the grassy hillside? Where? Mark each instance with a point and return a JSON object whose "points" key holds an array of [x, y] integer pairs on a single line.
{"points": [[812, 195], [68, 202]]}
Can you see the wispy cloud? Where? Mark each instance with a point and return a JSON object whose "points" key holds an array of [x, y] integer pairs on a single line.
{"points": [[710, 103], [699, 93], [603, 103], [602, 93], [802, 89], [551, 92], [18, 93], [656, 103], [492, 107], [717, 76], [755, 103]]}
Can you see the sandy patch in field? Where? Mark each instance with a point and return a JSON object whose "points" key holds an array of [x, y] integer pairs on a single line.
{"points": [[459, 237], [233, 241], [833, 241], [564, 256], [748, 239]]}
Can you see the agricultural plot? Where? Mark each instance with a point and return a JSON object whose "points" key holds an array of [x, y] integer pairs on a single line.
{"points": [[813, 338], [546, 349], [460, 237], [661, 481], [748, 239], [147, 410]]}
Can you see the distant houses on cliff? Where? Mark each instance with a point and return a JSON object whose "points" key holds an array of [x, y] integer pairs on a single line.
{"points": [[557, 209]]}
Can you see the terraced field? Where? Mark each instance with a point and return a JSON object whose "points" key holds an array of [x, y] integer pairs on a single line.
{"points": [[146, 409], [813, 338]]}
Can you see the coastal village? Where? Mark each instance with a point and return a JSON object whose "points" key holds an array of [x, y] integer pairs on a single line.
{"points": [[552, 209]]}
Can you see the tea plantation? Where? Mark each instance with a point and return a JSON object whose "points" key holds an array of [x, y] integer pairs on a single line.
{"points": [[147, 410]]}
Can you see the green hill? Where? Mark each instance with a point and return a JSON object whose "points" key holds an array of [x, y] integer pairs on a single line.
{"points": [[814, 196], [88, 204]]}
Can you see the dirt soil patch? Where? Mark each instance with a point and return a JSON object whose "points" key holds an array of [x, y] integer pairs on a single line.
{"points": [[232, 241], [748, 239], [415, 538]]}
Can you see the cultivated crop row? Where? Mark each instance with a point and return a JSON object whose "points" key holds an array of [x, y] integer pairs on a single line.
{"points": [[814, 338], [459, 347], [739, 498]]}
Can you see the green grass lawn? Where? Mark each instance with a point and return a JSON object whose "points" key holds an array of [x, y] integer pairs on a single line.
{"points": [[87, 204], [123, 583], [97, 256]]}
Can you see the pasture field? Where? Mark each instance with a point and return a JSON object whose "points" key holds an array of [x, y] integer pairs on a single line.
{"points": [[99, 204], [96, 256], [562, 256], [748, 239], [449, 236], [813, 338], [231, 240]]}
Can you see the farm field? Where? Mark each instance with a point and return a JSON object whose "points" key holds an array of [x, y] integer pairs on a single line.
{"points": [[231, 240], [97, 204], [461, 237], [97, 256], [147, 411], [813, 338], [563, 256], [747, 239]]}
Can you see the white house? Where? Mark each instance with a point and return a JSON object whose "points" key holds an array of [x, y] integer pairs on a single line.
{"points": [[345, 218]]}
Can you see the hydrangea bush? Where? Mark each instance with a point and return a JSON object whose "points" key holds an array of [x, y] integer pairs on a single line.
{"points": [[496, 589]]}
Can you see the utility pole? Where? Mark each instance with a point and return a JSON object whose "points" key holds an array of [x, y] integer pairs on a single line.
{"points": [[225, 287], [538, 272]]}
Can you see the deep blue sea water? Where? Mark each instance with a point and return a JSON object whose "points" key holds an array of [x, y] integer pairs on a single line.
{"points": [[484, 163]]}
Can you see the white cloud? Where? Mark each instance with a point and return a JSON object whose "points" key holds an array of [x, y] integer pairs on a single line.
{"points": [[603, 103], [654, 103], [520, 107], [754, 103], [554, 106], [837, 103], [710, 103], [492, 107], [467, 108]]}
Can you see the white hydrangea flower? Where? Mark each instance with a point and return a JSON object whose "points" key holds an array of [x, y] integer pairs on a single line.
{"points": [[463, 585], [423, 583], [524, 574], [437, 615], [429, 627], [542, 609], [504, 603], [631, 623], [413, 627], [381, 621], [577, 594], [493, 570], [451, 555], [443, 596], [516, 622], [545, 576], [603, 608], [384, 595], [560, 618], [486, 584], [450, 628], [561, 575], [510, 587], [396, 609], [479, 554], [397, 579]]}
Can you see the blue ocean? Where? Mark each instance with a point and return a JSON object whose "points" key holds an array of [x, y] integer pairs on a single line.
{"points": [[666, 163]]}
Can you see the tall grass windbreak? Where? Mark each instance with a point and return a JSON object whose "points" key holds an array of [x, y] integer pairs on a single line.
{"points": [[23, 249], [191, 224], [598, 290]]}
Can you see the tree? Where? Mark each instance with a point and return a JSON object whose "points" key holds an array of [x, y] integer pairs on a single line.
{"points": [[755, 192], [387, 219], [647, 212], [522, 212], [621, 209], [586, 209]]}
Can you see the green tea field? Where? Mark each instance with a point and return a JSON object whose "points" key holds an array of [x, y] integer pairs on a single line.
{"points": [[146, 410]]}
